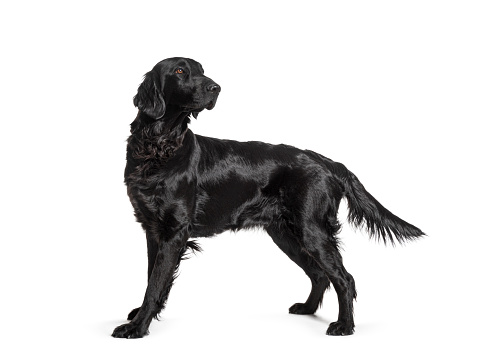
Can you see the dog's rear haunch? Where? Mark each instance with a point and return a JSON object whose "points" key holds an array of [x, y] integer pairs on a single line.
{"points": [[183, 186]]}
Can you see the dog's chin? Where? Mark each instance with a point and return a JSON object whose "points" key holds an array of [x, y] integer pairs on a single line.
{"points": [[195, 113], [209, 106]]}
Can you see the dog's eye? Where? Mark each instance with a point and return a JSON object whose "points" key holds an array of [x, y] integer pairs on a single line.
{"points": [[179, 71]]}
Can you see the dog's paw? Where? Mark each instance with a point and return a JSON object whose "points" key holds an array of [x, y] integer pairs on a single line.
{"points": [[301, 309], [340, 328], [129, 331], [133, 314]]}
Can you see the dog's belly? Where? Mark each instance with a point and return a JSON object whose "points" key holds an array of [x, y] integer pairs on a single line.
{"points": [[232, 206]]}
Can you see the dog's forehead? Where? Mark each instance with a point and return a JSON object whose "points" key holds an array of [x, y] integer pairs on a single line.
{"points": [[174, 62], [194, 65]]}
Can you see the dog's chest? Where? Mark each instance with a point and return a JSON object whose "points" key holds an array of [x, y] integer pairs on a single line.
{"points": [[148, 198], [160, 198]]}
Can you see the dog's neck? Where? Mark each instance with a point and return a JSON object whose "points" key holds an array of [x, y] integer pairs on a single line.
{"points": [[173, 123], [158, 138]]}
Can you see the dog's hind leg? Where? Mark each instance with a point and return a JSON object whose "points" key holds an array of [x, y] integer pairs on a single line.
{"points": [[322, 246], [286, 241]]}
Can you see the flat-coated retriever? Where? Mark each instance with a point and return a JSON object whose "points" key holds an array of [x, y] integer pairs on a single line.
{"points": [[184, 186]]}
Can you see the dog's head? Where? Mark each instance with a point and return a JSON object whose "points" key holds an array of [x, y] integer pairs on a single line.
{"points": [[178, 83]]}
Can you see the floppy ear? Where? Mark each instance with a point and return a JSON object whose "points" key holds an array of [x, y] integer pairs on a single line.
{"points": [[149, 98]]}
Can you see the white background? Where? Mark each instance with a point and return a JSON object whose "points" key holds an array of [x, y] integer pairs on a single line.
{"points": [[393, 89]]}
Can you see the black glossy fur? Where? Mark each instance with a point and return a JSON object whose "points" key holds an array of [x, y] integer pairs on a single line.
{"points": [[184, 186]]}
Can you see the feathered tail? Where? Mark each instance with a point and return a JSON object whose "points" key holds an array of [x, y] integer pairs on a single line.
{"points": [[364, 209]]}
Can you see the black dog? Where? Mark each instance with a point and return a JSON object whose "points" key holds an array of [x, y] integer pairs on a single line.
{"points": [[185, 186]]}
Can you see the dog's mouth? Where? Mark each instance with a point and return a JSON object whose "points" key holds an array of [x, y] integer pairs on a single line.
{"points": [[209, 106]]}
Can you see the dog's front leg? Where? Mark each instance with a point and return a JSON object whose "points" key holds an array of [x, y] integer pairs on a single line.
{"points": [[152, 245], [159, 284]]}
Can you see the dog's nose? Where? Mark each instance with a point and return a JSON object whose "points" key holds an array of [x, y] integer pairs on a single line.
{"points": [[214, 88]]}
